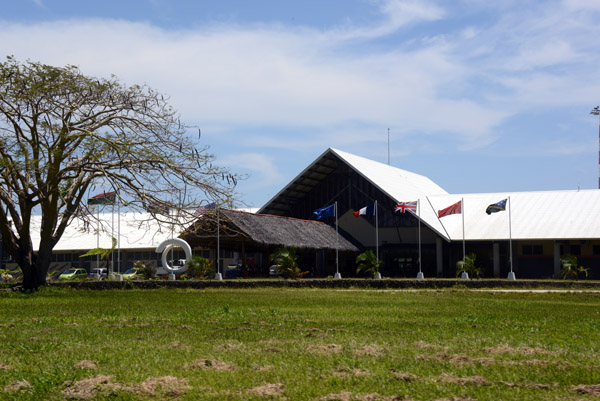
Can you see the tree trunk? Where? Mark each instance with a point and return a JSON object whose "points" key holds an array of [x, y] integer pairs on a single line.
{"points": [[34, 273]]}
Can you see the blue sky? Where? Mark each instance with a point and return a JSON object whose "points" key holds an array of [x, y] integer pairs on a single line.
{"points": [[479, 96]]}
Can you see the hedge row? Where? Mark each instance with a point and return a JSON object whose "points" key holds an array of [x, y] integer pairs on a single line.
{"points": [[329, 283]]}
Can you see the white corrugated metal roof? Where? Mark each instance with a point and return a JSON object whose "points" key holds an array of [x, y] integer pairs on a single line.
{"points": [[533, 215], [138, 231], [398, 184]]}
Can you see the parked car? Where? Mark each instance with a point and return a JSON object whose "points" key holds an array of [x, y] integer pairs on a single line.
{"points": [[274, 270], [130, 274], [73, 274], [98, 272], [233, 271]]}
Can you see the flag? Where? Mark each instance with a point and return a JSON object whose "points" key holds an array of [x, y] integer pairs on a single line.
{"points": [[204, 209], [327, 211], [158, 208], [107, 198], [404, 207], [365, 211], [452, 209], [496, 207]]}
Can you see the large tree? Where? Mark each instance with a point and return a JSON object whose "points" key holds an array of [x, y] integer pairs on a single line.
{"points": [[63, 133]]}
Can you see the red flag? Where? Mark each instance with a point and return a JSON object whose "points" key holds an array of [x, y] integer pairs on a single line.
{"points": [[452, 209]]}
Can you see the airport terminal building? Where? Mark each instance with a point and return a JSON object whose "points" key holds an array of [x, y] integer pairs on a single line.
{"points": [[541, 227]]}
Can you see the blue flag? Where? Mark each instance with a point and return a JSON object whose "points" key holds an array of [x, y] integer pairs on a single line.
{"points": [[327, 211], [496, 207]]}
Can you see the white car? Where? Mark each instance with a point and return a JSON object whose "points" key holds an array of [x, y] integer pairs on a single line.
{"points": [[98, 272]]}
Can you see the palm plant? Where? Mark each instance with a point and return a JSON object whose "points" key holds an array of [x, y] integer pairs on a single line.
{"points": [[570, 268], [200, 267], [468, 265], [367, 263], [104, 254], [286, 261]]}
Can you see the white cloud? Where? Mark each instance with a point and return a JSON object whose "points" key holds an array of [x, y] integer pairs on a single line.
{"points": [[460, 82], [258, 163]]}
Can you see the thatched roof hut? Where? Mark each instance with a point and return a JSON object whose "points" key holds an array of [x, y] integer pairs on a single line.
{"points": [[263, 230]]}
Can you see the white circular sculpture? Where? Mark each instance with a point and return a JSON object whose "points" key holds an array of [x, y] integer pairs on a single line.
{"points": [[166, 246]]}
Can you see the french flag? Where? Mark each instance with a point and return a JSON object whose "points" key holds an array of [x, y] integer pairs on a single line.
{"points": [[365, 211]]}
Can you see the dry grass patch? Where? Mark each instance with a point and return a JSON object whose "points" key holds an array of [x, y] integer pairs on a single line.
{"points": [[5, 367], [167, 385], [462, 398], [103, 385], [474, 380], [212, 364], [536, 386], [457, 359], [18, 386], [268, 390], [232, 345], [407, 377], [369, 350], [328, 348], [86, 389], [423, 344], [85, 364], [589, 389], [348, 396], [351, 372], [507, 349]]}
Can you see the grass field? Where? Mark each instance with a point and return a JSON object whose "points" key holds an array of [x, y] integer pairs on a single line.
{"points": [[299, 344]]}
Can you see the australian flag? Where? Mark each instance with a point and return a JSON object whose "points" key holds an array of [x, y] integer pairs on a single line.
{"points": [[496, 207]]}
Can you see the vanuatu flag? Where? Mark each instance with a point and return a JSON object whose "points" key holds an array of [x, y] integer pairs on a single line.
{"points": [[107, 198]]}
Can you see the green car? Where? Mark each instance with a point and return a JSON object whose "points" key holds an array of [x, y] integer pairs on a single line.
{"points": [[73, 274], [130, 274]]}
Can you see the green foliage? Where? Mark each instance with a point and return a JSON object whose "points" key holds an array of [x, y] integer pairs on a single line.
{"points": [[9, 276], [104, 253], [570, 268], [63, 133], [468, 266], [367, 263], [286, 261], [146, 271], [199, 267]]}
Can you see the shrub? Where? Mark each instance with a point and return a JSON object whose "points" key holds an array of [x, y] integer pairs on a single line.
{"points": [[367, 263], [199, 267], [287, 263], [147, 272], [468, 266]]}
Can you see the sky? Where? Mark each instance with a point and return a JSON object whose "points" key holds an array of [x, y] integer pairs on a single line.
{"points": [[478, 96]]}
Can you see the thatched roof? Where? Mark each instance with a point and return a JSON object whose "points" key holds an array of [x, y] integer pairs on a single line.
{"points": [[270, 230]]}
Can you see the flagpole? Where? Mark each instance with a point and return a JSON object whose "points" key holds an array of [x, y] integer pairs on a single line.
{"points": [[462, 209], [112, 235], [420, 275], [378, 275], [218, 276], [98, 237], [119, 236], [511, 274], [337, 261]]}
